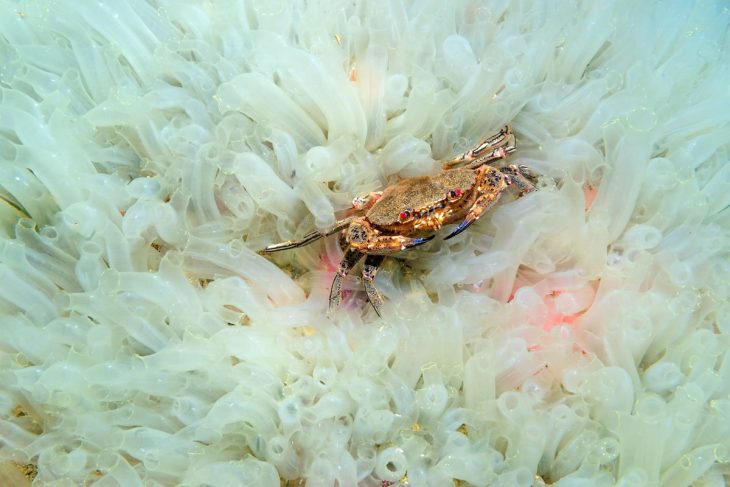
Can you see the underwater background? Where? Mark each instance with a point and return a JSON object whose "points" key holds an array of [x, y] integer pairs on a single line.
{"points": [[575, 336]]}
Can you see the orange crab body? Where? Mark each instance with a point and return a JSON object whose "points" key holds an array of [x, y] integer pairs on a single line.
{"points": [[418, 207], [410, 212]]}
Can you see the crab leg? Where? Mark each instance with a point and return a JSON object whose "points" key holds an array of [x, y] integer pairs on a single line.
{"points": [[520, 176], [495, 147], [349, 260], [496, 155], [308, 238], [482, 204], [372, 262], [390, 244]]}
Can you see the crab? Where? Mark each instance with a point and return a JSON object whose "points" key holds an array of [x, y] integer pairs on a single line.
{"points": [[410, 212]]}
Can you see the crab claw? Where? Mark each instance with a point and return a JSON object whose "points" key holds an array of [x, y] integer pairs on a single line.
{"points": [[460, 228], [388, 244], [409, 243], [492, 182]]}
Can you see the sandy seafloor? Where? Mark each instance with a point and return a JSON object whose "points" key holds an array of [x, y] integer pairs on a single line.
{"points": [[577, 336]]}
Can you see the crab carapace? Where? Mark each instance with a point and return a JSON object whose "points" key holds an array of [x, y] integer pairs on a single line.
{"points": [[411, 211]]}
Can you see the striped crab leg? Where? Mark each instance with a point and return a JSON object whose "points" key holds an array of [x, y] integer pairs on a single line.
{"points": [[493, 148]]}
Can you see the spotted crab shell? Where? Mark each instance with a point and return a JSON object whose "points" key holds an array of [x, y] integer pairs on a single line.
{"points": [[418, 194]]}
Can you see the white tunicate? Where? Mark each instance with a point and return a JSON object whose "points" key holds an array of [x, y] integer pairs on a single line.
{"points": [[712, 478], [662, 376], [530, 301], [432, 401], [417, 107], [373, 425], [289, 411], [89, 266], [391, 464], [563, 421], [512, 405], [530, 445], [516, 79], [151, 149], [406, 153], [58, 373], [263, 101], [642, 237], [365, 460], [189, 409], [521, 477], [237, 200], [282, 455], [634, 478], [243, 472], [373, 82], [460, 463], [453, 418], [313, 196], [333, 405], [539, 261], [309, 347], [459, 59], [7, 402], [329, 93], [573, 452], [322, 162], [347, 468], [139, 217], [535, 390], [31, 195], [263, 184], [17, 290], [14, 435], [694, 464], [642, 443], [618, 192], [717, 189], [159, 450], [574, 301], [663, 175], [322, 472], [650, 408], [144, 187], [395, 88], [611, 389], [479, 381], [606, 450], [279, 287]]}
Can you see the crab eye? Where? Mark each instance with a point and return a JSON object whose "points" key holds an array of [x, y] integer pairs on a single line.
{"points": [[404, 215], [455, 193]]}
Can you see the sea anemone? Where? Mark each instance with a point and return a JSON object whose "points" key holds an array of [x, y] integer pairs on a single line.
{"points": [[575, 336]]}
